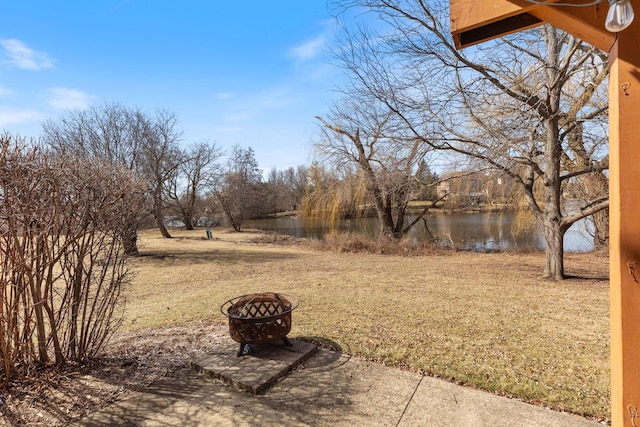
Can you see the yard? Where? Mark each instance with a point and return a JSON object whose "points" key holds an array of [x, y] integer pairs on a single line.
{"points": [[483, 320]]}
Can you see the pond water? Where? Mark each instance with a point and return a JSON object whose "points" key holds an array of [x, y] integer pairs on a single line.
{"points": [[483, 231]]}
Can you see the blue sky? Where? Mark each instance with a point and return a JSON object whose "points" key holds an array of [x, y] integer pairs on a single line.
{"points": [[252, 73]]}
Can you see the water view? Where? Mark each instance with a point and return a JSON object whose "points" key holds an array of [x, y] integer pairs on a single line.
{"points": [[483, 231]]}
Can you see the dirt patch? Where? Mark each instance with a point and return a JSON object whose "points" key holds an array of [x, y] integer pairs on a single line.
{"points": [[62, 395]]}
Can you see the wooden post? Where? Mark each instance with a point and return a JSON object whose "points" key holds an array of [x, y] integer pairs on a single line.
{"points": [[624, 211], [473, 22]]}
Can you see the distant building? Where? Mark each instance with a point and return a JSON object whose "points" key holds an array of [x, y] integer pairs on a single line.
{"points": [[443, 189]]}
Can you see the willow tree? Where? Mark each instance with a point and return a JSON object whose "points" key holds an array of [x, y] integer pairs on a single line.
{"points": [[366, 135], [334, 193], [529, 105]]}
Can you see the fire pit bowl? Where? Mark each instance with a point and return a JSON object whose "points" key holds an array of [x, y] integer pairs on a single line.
{"points": [[259, 319]]}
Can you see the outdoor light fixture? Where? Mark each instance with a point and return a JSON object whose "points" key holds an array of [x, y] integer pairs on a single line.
{"points": [[619, 17]]}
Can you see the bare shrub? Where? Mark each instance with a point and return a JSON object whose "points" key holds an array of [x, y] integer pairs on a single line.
{"points": [[360, 243], [61, 254]]}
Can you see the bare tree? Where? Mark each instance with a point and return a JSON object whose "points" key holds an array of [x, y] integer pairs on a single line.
{"points": [[109, 133], [193, 179], [106, 132], [286, 188], [366, 134], [296, 182], [520, 119], [160, 158], [147, 145], [238, 190], [273, 190]]}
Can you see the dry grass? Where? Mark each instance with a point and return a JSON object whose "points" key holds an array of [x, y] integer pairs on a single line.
{"points": [[359, 243], [484, 320]]}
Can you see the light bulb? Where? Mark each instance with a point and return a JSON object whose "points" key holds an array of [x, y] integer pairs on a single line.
{"points": [[620, 15]]}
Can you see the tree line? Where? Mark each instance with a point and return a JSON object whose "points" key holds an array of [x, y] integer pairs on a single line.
{"points": [[188, 183]]}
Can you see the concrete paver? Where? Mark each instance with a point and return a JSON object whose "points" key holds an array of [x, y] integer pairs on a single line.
{"points": [[330, 389], [254, 372]]}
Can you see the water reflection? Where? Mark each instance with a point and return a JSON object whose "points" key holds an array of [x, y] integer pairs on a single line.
{"points": [[484, 231]]}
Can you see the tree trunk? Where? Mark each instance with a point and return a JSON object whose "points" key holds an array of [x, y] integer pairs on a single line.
{"points": [[388, 226], [76, 287], [237, 226], [554, 228], [554, 252], [130, 241], [601, 229], [188, 222], [157, 216], [552, 215]]}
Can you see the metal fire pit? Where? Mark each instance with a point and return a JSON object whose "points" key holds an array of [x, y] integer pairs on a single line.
{"points": [[259, 319]]}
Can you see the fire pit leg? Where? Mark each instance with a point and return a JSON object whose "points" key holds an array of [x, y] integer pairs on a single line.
{"points": [[243, 346], [287, 341]]}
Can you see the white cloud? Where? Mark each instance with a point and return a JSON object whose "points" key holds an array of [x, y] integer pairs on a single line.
{"points": [[5, 92], [276, 97], [224, 95], [17, 117], [69, 99], [310, 49], [22, 56], [260, 104]]}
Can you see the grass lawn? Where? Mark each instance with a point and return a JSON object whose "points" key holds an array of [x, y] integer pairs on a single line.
{"points": [[483, 320]]}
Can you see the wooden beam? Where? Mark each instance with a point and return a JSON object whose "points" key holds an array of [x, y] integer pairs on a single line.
{"points": [[585, 23], [470, 14], [473, 22], [624, 211], [495, 29]]}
